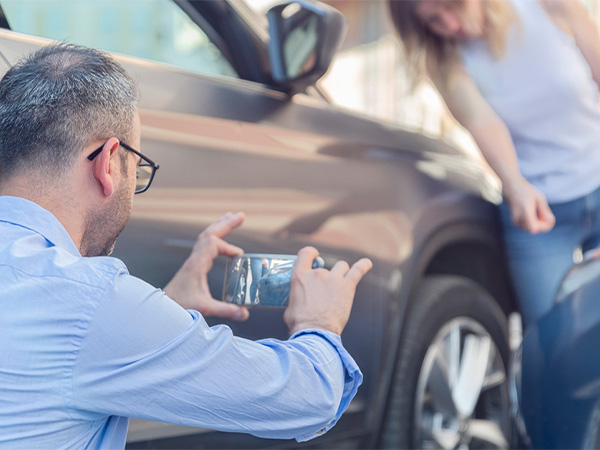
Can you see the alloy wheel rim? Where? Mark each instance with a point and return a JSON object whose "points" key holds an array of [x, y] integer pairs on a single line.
{"points": [[460, 401]]}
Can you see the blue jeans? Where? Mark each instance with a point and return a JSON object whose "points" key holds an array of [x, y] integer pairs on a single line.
{"points": [[538, 262], [258, 271]]}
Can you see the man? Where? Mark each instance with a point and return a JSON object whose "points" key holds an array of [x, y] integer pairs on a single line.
{"points": [[84, 344]]}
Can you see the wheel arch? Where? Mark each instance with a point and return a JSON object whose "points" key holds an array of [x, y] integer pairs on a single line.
{"points": [[479, 262], [467, 249]]}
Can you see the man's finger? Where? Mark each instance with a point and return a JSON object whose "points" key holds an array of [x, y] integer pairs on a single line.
{"points": [[223, 226], [358, 270], [226, 310], [306, 256], [340, 268], [227, 249]]}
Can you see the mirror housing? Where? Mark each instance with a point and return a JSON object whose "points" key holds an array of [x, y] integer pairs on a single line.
{"points": [[304, 37]]}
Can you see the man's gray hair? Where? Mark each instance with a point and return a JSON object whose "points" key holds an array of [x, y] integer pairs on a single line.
{"points": [[56, 101]]}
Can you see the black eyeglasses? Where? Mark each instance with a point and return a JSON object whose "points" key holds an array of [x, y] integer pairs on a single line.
{"points": [[144, 172]]}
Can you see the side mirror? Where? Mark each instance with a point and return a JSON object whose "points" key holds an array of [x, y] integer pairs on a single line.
{"points": [[304, 38], [579, 275]]}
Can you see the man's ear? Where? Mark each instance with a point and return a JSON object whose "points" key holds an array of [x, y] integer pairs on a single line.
{"points": [[104, 166]]}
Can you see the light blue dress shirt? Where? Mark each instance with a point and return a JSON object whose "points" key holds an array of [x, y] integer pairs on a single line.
{"points": [[84, 346]]}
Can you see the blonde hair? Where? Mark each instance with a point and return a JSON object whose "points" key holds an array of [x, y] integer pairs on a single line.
{"points": [[428, 54]]}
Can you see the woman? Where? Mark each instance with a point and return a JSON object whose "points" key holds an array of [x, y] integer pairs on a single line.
{"points": [[523, 77]]}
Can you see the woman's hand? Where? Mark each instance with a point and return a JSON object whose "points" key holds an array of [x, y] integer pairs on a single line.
{"points": [[189, 286], [528, 207]]}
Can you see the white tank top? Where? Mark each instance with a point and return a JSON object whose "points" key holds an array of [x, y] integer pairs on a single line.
{"points": [[544, 92]]}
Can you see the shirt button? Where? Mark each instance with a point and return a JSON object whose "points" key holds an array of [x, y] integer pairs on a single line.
{"points": [[321, 431]]}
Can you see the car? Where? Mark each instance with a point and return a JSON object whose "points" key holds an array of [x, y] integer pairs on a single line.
{"points": [[232, 110], [555, 373]]}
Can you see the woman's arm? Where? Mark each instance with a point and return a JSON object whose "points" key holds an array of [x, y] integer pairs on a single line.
{"points": [[573, 18], [528, 206]]}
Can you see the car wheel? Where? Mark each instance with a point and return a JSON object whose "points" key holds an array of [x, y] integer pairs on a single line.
{"points": [[240, 298], [450, 386]]}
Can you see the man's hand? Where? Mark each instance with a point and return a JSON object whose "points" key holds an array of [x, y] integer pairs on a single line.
{"points": [[189, 286], [529, 208], [320, 298]]}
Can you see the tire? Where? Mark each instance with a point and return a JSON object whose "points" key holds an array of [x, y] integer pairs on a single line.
{"points": [[240, 298], [450, 385]]}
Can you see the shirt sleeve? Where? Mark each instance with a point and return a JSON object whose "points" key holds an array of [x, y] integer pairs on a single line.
{"points": [[351, 372], [144, 356]]}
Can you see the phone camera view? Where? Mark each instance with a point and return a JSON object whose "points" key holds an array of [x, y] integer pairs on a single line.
{"points": [[260, 279]]}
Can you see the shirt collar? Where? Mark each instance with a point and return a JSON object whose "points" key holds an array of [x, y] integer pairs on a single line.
{"points": [[26, 214]]}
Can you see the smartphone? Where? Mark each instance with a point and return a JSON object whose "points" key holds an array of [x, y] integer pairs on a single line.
{"points": [[260, 279]]}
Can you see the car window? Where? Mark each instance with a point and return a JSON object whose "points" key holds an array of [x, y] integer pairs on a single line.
{"points": [[152, 29]]}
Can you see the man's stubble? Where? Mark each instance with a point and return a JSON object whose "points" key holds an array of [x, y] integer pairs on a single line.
{"points": [[103, 227]]}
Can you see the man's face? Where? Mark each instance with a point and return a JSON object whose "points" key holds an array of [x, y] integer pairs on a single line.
{"points": [[105, 224]]}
